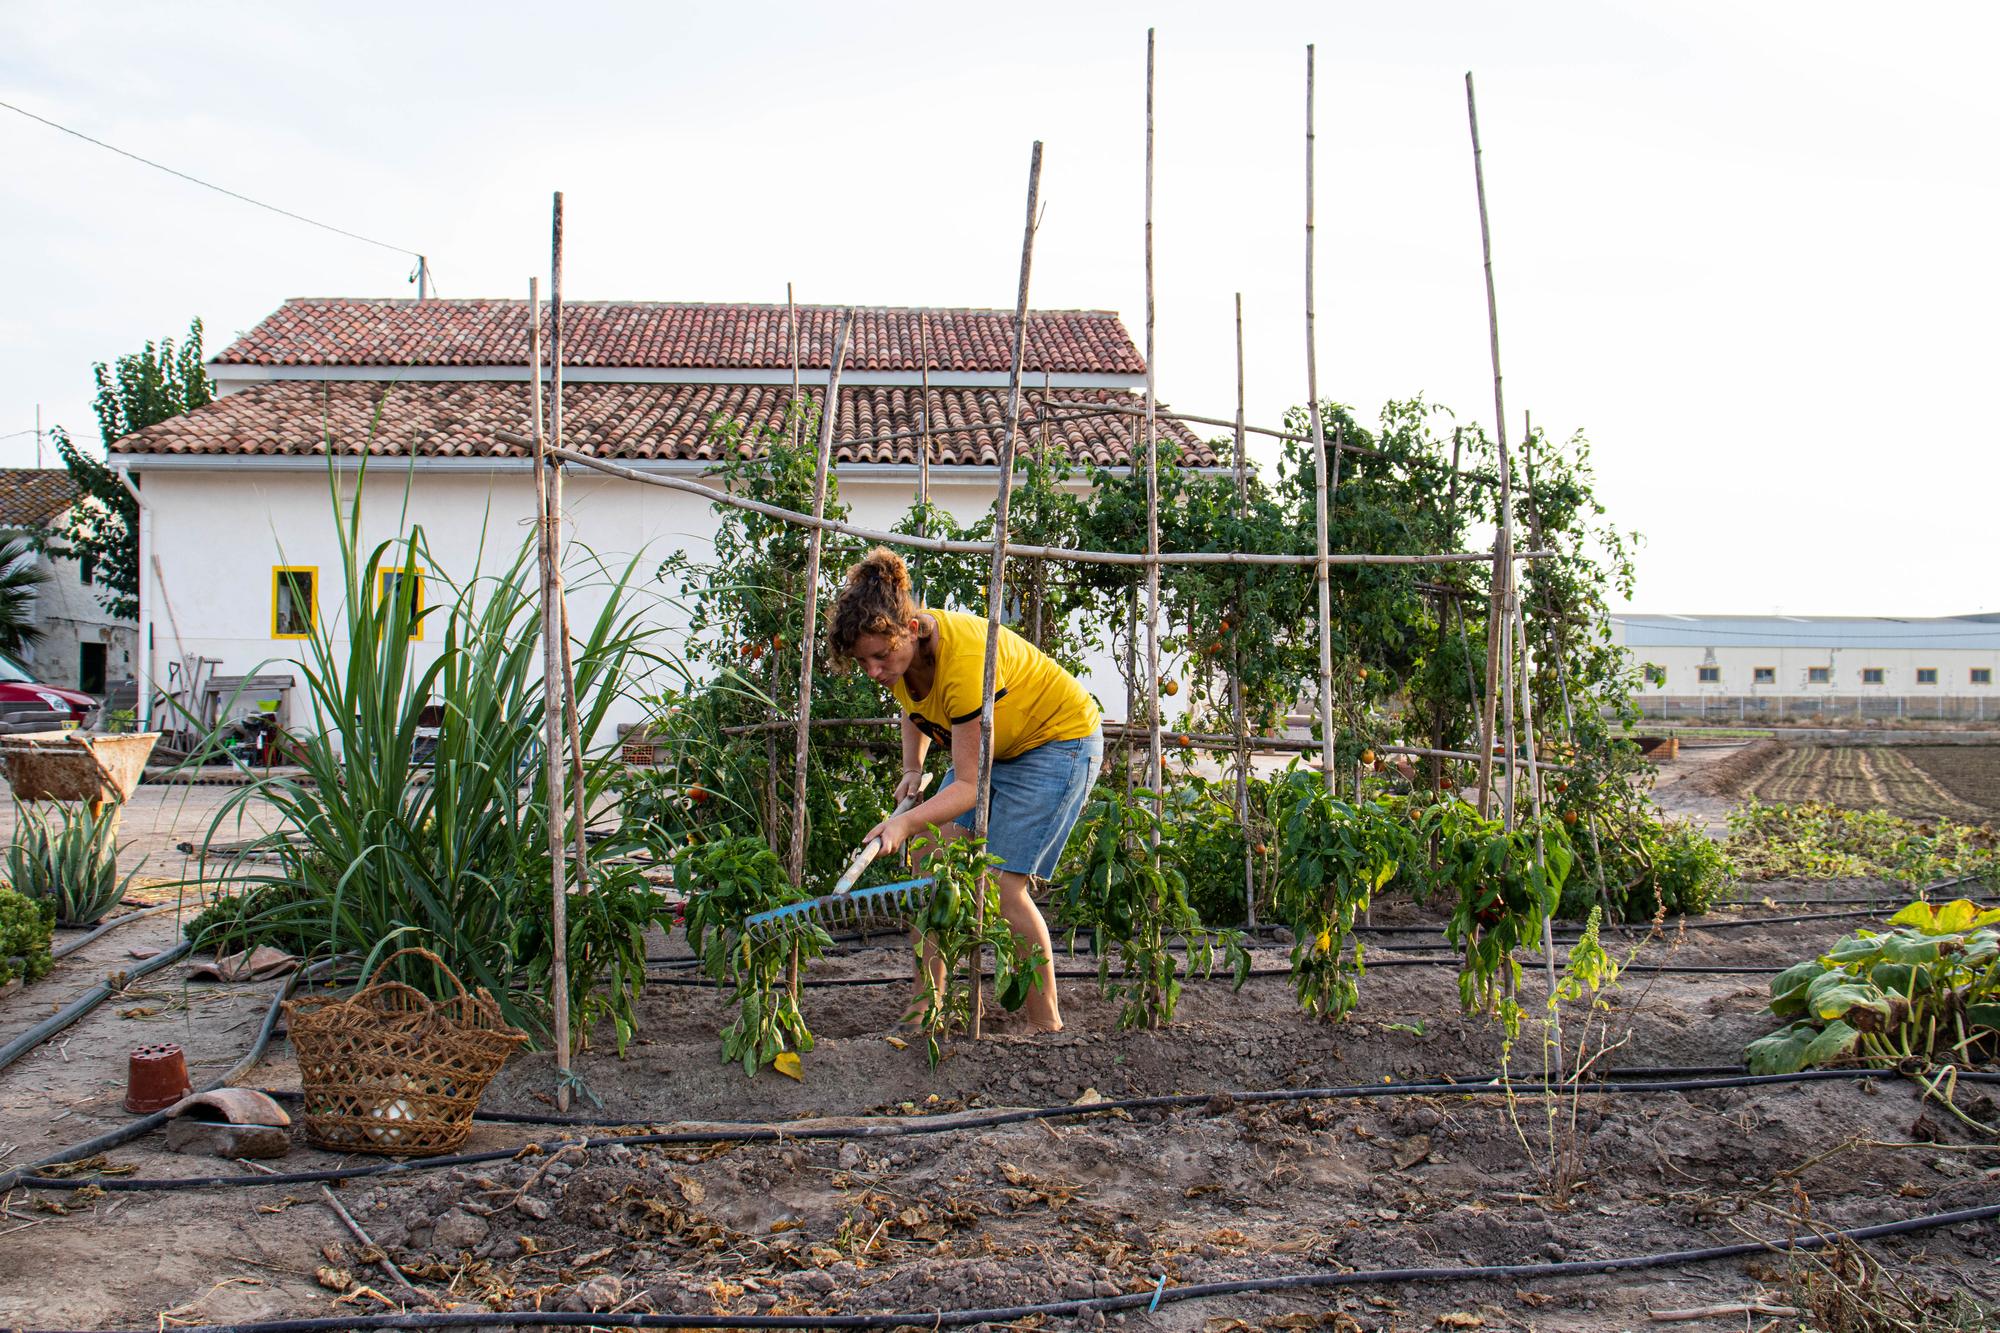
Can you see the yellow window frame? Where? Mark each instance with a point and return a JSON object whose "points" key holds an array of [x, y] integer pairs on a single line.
{"points": [[278, 573], [416, 572]]}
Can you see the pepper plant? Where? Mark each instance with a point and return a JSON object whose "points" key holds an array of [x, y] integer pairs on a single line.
{"points": [[731, 878], [1333, 859], [1928, 990], [951, 927], [1123, 883], [1506, 887]]}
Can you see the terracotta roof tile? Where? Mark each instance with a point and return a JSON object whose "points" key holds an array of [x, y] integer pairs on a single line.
{"points": [[435, 419], [353, 332], [31, 496]]}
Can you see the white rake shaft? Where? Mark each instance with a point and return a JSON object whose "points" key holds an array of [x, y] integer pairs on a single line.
{"points": [[873, 847]]}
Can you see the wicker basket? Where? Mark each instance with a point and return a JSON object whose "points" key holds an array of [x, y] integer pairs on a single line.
{"points": [[388, 1070]]}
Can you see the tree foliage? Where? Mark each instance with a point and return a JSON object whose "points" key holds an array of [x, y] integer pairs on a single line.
{"points": [[138, 390]]}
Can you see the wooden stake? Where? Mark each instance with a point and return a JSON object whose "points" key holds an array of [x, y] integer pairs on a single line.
{"points": [[996, 587], [792, 329], [1152, 693], [829, 419], [1237, 711], [1320, 574], [923, 446], [1502, 543], [551, 709], [566, 674]]}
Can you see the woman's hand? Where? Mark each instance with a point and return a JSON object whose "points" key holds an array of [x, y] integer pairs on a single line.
{"points": [[909, 788], [892, 832]]}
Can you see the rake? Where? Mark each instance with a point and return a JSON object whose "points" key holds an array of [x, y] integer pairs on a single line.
{"points": [[881, 905]]}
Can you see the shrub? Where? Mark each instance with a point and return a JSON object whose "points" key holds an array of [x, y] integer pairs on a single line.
{"points": [[730, 878], [26, 928], [68, 859]]}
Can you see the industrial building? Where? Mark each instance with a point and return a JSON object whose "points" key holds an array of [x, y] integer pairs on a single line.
{"points": [[1802, 667]]}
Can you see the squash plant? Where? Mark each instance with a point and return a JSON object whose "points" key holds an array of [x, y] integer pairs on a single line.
{"points": [[1927, 989], [729, 879], [1505, 889], [1332, 859], [950, 924], [1123, 882]]}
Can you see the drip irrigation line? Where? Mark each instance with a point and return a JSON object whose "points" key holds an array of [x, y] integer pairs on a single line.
{"points": [[1670, 924], [904, 1126], [147, 1123], [86, 1002], [1224, 974], [1148, 1300], [69, 947]]}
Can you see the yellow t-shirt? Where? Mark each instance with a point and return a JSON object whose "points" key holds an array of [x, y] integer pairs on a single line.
{"points": [[1035, 701]]}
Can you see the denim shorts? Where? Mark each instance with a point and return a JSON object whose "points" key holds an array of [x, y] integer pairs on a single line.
{"points": [[1037, 797]]}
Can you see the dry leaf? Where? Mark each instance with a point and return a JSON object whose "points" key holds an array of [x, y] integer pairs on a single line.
{"points": [[691, 1190], [786, 1224], [333, 1279], [1460, 1319], [1411, 1151], [787, 1064], [898, 1043], [1196, 1191], [139, 1011]]}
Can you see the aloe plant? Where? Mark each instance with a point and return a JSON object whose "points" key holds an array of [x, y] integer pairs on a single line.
{"points": [[1927, 989], [68, 858]]}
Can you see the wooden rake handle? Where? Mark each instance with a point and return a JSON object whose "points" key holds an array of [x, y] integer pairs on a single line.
{"points": [[873, 847]]}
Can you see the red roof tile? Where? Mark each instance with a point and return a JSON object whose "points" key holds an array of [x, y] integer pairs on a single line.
{"points": [[434, 419], [352, 332], [31, 496]]}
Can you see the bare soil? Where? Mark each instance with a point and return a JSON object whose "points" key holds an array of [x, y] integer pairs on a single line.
{"points": [[1026, 1212], [1957, 782]]}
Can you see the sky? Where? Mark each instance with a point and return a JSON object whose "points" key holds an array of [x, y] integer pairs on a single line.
{"points": [[1744, 248]]}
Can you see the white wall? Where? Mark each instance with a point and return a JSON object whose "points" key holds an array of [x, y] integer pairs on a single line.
{"points": [[69, 615], [219, 532]]}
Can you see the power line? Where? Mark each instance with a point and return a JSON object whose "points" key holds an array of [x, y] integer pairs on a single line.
{"points": [[206, 185]]}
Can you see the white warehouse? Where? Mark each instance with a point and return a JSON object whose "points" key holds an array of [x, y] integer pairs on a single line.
{"points": [[1815, 666]]}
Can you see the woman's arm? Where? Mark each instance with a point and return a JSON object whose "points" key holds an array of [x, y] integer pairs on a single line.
{"points": [[949, 803], [915, 746]]}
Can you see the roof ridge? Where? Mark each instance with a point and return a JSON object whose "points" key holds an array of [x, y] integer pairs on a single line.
{"points": [[833, 307]]}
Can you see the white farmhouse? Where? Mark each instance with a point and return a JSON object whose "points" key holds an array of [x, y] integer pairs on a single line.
{"points": [[1815, 666], [238, 497], [82, 646]]}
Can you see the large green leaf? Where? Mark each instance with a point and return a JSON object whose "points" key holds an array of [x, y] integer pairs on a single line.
{"points": [[1837, 1042], [1783, 1052], [1985, 1014], [1836, 994], [1903, 979], [1902, 948], [1864, 946], [1788, 988]]}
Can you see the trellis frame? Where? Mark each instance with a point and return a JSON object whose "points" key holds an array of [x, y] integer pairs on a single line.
{"points": [[1506, 614]]}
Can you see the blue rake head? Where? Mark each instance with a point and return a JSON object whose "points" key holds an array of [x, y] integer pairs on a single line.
{"points": [[882, 905]]}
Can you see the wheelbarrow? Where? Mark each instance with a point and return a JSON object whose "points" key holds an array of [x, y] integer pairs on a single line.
{"points": [[73, 766]]}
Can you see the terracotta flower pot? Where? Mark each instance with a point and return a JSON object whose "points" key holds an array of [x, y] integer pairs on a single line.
{"points": [[155, 1078]]}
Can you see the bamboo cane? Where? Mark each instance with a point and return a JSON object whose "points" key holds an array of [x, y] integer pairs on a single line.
{"points": [[792, 336], [1320, 573], [996, 587], [573, 727], [829, 415], [1237, 712], [551, 717], [1502, 572], [923, 443], [1152, 694]]}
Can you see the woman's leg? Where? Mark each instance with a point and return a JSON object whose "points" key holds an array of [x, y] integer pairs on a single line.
{"points": [[1025, 920]]}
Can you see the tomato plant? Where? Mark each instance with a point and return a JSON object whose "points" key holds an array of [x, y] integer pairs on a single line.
{"points": [[728, 879], [1122, 881]]}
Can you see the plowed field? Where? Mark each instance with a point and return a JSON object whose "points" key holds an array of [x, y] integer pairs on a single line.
{"points": [[1959, 782]]}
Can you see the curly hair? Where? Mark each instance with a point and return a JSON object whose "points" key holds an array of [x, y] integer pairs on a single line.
{"points": [[874, 600]]}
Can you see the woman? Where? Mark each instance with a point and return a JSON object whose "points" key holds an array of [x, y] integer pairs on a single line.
{"points": [[1047, 745]]}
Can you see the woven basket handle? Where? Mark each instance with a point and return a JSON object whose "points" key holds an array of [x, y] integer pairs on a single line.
{"points": [[436, 961]]}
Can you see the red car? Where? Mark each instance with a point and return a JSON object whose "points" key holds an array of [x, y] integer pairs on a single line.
{"points": [[26, 705]]}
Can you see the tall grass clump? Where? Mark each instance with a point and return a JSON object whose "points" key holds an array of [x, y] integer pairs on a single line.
{"points": [[68, 857], [376, 851]]}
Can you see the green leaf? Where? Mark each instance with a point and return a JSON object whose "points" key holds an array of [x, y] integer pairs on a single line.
{"points": [[1783, 1051], [1837, 1042], [1985, 1014]]}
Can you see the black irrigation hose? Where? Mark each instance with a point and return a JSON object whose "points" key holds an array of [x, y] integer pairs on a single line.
{"points": [[1149, 1300], [1223, 974], [69, 947], [84, 1003], [147, 1123], [900, 1126]]}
